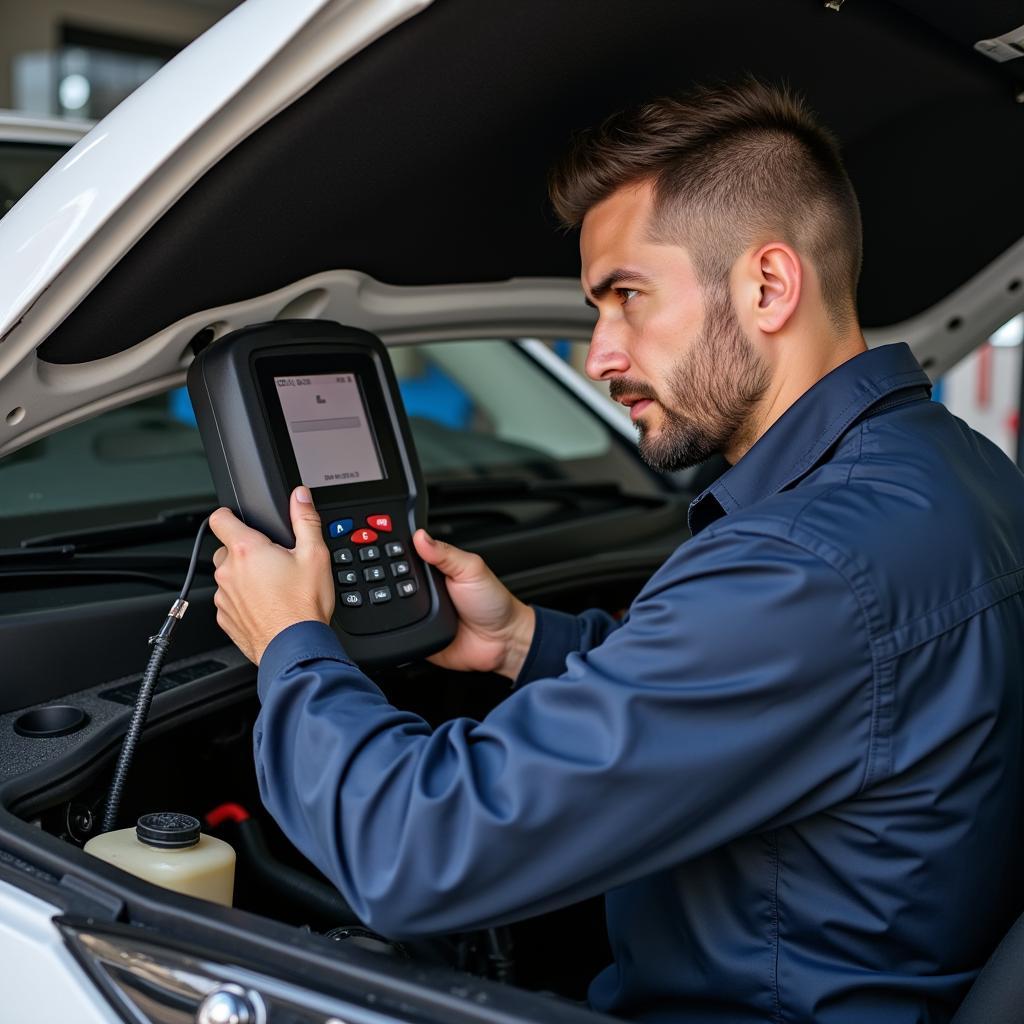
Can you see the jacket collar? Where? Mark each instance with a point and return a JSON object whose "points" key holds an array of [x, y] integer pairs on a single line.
{"points": [[805, 433]]}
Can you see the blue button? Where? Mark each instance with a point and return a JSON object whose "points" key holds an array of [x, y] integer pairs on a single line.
{"points": [[339, 527]]}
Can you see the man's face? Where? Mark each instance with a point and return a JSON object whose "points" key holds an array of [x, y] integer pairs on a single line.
{"points": [[674, 353]]}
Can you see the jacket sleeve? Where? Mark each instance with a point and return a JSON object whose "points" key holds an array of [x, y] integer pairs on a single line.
{"points": [[738, 696], [556, 636]]}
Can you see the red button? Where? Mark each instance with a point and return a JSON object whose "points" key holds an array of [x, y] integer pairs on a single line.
{"points": [[382, 523], [364, 536]]}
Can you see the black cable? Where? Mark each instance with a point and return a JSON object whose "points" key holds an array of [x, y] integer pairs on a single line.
{"points": [[160, 643]]}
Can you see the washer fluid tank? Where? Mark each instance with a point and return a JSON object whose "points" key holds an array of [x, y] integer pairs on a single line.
{"points": [[169, 850]]}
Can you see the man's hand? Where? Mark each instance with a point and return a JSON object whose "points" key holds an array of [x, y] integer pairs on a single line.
{"points": [[263, 588], [495, 628]]}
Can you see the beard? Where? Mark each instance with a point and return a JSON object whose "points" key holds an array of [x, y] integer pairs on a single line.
{"points": [[709, 394]]}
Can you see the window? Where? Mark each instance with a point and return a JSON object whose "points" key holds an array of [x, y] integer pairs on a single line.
{"points": [[22, 164]]}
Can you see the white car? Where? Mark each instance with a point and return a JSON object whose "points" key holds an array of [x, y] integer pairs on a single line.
{"points": [[381, 163]]}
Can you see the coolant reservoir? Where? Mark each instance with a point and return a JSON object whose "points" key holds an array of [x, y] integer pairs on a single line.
{"points": [[169, 850]]}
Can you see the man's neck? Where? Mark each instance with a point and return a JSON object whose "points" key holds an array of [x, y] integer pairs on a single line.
{"points": [[793, 379]]}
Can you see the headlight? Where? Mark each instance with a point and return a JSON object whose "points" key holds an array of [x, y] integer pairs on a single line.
{"points": [[158, 984]]}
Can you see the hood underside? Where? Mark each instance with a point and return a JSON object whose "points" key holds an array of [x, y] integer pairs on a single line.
{"points": [[422, 159]]}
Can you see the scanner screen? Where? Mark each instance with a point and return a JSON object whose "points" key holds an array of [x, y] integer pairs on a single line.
{"points": [[329, 429]]}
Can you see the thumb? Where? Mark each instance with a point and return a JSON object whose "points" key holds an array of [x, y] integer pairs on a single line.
{"points": [[305, 519], [455, 563]]}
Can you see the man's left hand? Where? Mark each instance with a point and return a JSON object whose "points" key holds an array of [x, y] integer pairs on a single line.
{"points": [[262, 587]]}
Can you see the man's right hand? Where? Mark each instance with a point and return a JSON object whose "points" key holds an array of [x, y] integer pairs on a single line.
{"points": [[495, 628]]}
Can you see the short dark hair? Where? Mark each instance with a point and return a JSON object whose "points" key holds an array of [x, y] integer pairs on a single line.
{"points": [[731, 166]]}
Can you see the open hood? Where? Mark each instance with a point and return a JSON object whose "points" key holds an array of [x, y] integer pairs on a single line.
{"points": [[383, 162]]}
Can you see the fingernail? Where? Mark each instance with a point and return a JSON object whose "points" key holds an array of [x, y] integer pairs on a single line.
{"points": [[430, 540], [302, 494]]}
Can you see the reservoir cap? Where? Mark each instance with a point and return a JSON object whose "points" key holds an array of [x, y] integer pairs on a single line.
{"points": [[168, 830]]}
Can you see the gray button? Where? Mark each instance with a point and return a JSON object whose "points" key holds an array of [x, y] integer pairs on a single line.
{"points": [[374, 573], [343, 556], [348, 576], [369, 554], [380, 595], [393, 549], [400, 569], [352, 598], [407, 588]]}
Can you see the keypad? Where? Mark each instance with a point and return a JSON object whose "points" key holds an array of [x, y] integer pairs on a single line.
{"points": [[370, 571]]}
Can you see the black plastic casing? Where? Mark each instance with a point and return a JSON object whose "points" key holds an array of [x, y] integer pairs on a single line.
{"points": [[254, 469]]}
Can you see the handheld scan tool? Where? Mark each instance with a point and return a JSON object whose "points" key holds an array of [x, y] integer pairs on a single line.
{"points": [[311, 402]]}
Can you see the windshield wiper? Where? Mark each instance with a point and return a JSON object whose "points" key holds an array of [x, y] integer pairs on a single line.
{"points": [[171, 525], [92, 552]]}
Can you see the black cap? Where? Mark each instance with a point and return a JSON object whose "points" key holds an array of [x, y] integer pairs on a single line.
{"points": [[168, 830]]}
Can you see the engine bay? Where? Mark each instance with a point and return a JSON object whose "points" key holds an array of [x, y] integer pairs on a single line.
{"points": [[195, 757]]}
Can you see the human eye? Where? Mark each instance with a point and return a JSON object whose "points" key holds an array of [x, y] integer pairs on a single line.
{"points": [[626, 294]]}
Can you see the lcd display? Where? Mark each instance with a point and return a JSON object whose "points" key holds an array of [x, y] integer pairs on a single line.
{"points": [[329, 429]]}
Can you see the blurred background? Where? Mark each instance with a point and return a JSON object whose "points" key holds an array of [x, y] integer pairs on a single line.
{"points": [[80, 58]]}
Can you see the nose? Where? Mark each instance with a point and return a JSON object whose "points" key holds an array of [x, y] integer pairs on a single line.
{"points": [[606, 357]]}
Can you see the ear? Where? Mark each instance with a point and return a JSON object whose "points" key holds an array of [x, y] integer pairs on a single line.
{"points": [[774, 278]]}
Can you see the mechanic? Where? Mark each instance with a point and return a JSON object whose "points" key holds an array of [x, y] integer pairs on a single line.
{"points": [[796, 767]]}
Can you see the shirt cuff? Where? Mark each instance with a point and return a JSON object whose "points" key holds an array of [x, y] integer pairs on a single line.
{"points": [[555, 636], [302, 641]]}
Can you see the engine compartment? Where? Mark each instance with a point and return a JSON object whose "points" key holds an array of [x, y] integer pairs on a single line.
{"points": [[196, 756]]}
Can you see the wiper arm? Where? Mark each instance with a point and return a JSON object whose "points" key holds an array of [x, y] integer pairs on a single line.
{"points": [[89, 551], [63, 556], [170, 525]]}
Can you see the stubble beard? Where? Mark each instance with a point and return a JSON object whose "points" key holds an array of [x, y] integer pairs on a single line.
{"points": [[708, 397]]}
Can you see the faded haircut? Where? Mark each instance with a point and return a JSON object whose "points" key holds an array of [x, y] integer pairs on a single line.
{"points": [[732, 167]]}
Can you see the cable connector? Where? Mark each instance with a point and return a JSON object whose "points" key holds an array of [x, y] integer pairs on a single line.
{"points": [[174, 616]]}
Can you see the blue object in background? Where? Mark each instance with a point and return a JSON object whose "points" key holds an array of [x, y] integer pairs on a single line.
{"points": [[562, 348], [435, 396], [937, 389], [180, 408]]}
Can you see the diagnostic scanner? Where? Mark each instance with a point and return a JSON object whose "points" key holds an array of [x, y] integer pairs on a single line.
{"points": [[312, 402]]}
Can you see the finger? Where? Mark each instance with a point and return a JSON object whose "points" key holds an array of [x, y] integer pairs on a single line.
{"points": [[305, 519], [223, 603], [218, 557], [452, 561], [230, 530]]}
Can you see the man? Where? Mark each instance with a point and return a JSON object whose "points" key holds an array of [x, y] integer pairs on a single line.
{"points": [[796, 768]]}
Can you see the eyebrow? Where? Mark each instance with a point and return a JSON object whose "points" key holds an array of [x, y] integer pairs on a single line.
{"points": [[610, 280]]}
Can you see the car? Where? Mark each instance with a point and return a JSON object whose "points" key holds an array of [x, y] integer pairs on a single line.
{"points": [[381, 164], [29, 147]]}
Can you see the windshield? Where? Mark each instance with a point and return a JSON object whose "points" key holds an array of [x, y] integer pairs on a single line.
{"points": [[478, 409]]}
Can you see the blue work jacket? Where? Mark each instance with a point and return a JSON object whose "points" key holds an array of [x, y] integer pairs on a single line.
{"points": [[795, 768]]}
